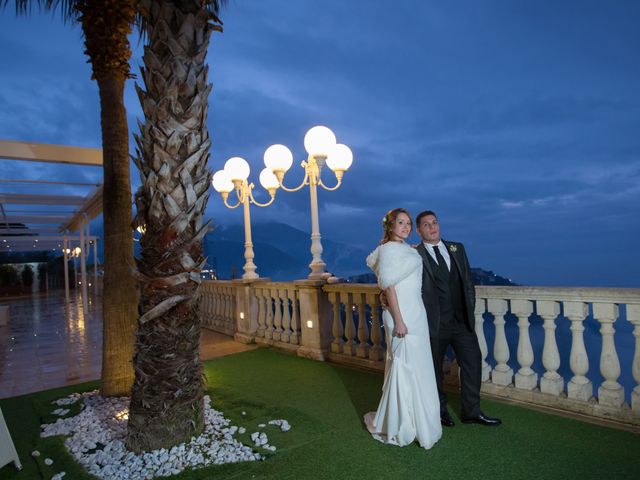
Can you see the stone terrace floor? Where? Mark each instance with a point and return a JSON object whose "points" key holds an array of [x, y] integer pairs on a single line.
{"points": [[48, 343]]}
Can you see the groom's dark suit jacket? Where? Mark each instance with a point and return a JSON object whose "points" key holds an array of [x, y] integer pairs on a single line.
{"points": [[460, 262]]}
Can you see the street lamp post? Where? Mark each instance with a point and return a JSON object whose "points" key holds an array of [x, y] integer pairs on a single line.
{"points": [[76, 253], [321, 146], [234, 177]]}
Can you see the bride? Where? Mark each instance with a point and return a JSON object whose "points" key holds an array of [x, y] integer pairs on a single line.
{"points": [[409, 408]]}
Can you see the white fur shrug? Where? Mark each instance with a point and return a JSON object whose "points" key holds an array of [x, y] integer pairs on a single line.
{"points": [[393, 262]]}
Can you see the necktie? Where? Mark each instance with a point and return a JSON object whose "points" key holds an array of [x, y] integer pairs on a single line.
{"points": [[442, 265]]}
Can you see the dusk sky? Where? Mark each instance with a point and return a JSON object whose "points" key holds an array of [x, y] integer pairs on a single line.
{"points": [[518, 122]]}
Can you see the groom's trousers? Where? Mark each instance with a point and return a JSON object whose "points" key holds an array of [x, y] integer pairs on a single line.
{"points": [[465, 346]]}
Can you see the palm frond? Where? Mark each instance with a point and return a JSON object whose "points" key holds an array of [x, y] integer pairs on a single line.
{"points": [[213, 6], [66, 8]]}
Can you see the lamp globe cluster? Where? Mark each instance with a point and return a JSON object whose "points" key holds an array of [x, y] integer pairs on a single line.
{"points": [[322, 148], [321, 145]]}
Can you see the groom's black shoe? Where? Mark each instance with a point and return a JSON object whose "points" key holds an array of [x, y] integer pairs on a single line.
{"points": [[482, 419], [446, 420]]}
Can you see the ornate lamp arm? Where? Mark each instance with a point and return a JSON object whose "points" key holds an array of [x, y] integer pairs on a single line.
{"points": [[331, 189], [255, 202], [305, 180], [225, 197]]}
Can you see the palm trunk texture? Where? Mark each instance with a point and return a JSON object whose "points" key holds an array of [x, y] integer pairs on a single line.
{"points": [[173, 148], [106, 25]]}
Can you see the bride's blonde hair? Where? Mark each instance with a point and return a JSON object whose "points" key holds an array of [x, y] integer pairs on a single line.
{"points": [[389, 220]]}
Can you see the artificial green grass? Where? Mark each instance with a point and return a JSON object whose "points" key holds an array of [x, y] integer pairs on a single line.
{"points": [[325, 403]]}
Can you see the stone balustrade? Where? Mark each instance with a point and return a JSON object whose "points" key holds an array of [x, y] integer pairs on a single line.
{"points": [[552, 347], [565, 379], [218, 306], [356, 324], [277, 314]]}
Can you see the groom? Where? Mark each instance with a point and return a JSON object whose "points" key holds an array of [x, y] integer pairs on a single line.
{"points": [[449, 298]]}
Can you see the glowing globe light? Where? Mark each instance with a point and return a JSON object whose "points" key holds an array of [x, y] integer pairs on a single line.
{"points": [[268, 179], [221, 182], [237, 168], [340, 158], [278, 158], [319, 141]]}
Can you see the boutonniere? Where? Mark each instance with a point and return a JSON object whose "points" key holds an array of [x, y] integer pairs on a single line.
{"points": [[453, 248]]}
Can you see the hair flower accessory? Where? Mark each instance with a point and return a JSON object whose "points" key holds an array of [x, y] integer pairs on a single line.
{"points": [[384, 220], [453, 248]]}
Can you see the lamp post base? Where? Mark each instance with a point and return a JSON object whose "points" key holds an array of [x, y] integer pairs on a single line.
{"points": [[319, 276]]}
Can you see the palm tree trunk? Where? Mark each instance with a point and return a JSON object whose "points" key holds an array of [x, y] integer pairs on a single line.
{"points": [[167, 396], [106, 25], [120, 299]]}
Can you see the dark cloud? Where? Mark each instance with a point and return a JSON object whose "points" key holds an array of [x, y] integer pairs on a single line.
{"points": [[515, 121]]}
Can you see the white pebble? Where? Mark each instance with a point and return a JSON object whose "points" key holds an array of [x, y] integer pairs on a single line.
{"points": [[96, 438], [35, 453], [48, 461], [282, 423]]}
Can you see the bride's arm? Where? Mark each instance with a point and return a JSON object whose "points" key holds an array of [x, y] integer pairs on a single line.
{"points": [[399, 329]]}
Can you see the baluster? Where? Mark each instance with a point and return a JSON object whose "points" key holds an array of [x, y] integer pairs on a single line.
{"points": [[210, 305], [295, 317], [447, 370], [579, 387], [268, 333], [228, 307], [482, 341], [452, 371], [262, 313], [218, 307], [525, 378], [349, 327], [610, 392], [551, 382], [336, 328], [277, 318], [363, 332], [375, 351], [502, 374], [633, 316], [204, 306], [225, 307], [231, 320], [285, 335], [223, 310]]}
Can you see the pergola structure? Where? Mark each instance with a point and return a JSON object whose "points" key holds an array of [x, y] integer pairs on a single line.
{"points": [[62, 221]]}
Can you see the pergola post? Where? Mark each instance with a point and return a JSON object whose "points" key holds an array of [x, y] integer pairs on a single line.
{"points": [[95, 265], [83, 268], [75, 273], [65, 247]]}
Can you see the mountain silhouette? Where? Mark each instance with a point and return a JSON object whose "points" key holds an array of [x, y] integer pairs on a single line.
{"points": [[282, 252]]}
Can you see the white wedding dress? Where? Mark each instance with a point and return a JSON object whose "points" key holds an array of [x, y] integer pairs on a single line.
{"points": [[409, 408]]}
